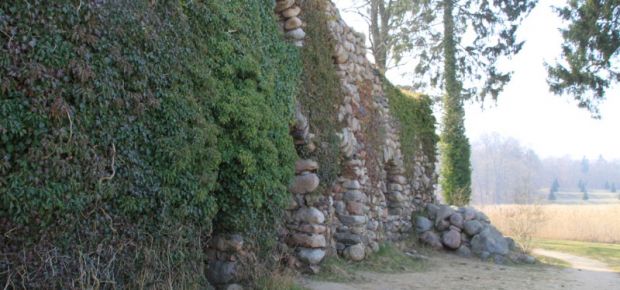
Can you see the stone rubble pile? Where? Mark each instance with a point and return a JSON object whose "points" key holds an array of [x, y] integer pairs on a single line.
{"points": [[468, 232], [227, 259]]}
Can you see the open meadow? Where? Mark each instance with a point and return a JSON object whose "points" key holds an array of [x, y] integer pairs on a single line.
{"points": [[587, 221]]}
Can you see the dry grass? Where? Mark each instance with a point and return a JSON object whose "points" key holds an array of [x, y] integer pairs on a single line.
{"points": [[578, 222]]}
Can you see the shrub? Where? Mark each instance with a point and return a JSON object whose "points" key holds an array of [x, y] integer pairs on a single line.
{"points": [[130, 129], [416, 123]]}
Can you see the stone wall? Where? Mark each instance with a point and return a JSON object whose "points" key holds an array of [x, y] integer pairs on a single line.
{"points": [[371, 201]]}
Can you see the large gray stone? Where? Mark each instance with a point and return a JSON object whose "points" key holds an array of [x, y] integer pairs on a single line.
{"points": [[304, 183], [443, 213], [422, 224], [472, 227], [351, 184], [355, 252], [451, 239], [311, 256], [456, 219], [432, 239], [432, 209], [469, 213], [310, 215], [489, 240]]}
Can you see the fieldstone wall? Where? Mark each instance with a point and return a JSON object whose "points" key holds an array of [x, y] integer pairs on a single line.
{"points": [[371, 201]]}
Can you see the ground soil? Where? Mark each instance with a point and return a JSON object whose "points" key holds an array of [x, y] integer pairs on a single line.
{"points": [[446, 271]]}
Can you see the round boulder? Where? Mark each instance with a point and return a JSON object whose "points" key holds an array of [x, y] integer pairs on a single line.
{"points": [[432, 239], [451, 239], [472, 227], [456, 219], [304, 183], [355, 252], [422, 224]]}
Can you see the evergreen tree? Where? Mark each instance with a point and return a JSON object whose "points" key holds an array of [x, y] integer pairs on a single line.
{"points": [[448, 61], [555, 186], [606, 185], [586, 196], [589, 52], [613, 187]]}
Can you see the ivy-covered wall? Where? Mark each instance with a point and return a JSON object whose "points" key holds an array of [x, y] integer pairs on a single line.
{"points": [[129, 130]]}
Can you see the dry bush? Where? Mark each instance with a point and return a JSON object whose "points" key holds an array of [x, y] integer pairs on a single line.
{"points": [[591, 223], [522, 221]]}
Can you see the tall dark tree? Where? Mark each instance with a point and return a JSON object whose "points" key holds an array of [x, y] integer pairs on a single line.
{"points": [[466, 70], [613, 187], [590, 52]]}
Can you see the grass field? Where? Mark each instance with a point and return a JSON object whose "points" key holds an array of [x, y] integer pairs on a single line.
{"points": [[607, 253], [576, 222]]}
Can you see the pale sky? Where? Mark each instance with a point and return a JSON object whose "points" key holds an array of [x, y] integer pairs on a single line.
{"points": [[551, 125]]}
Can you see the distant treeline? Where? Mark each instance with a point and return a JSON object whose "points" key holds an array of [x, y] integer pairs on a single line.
{"points": [[504, 171]]}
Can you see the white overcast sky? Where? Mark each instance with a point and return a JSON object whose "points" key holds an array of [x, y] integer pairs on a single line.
{"points": [[551, 125]]}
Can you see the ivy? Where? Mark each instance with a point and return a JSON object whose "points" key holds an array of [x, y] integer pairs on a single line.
{"points": [[143, 123]]}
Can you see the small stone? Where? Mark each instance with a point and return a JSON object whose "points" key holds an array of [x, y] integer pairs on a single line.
{"points": [[442, 225], [398, 179], [451, 239], [350, 220], [302, 165], [355, 252], [354, 195], [422, 224], [432, 239], [221, 272], [355, 208], [472, 227], [310, 215], [456, 219], [292, 23], [395, 187], [308, 241], [311, 256], [232, 243], [291, 12], [396, 196], [454, 228], [304, 183], [348, 239], [312, 229], [282, 5], [351, 184], [297, 34]]}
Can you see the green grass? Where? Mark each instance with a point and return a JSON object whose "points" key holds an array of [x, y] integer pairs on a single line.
{"points": [[552, 261], [389, 259], [606, 253]]}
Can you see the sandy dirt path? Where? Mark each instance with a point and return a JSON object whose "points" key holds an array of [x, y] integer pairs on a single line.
{"points": [[447, 272], [591, 273]]}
